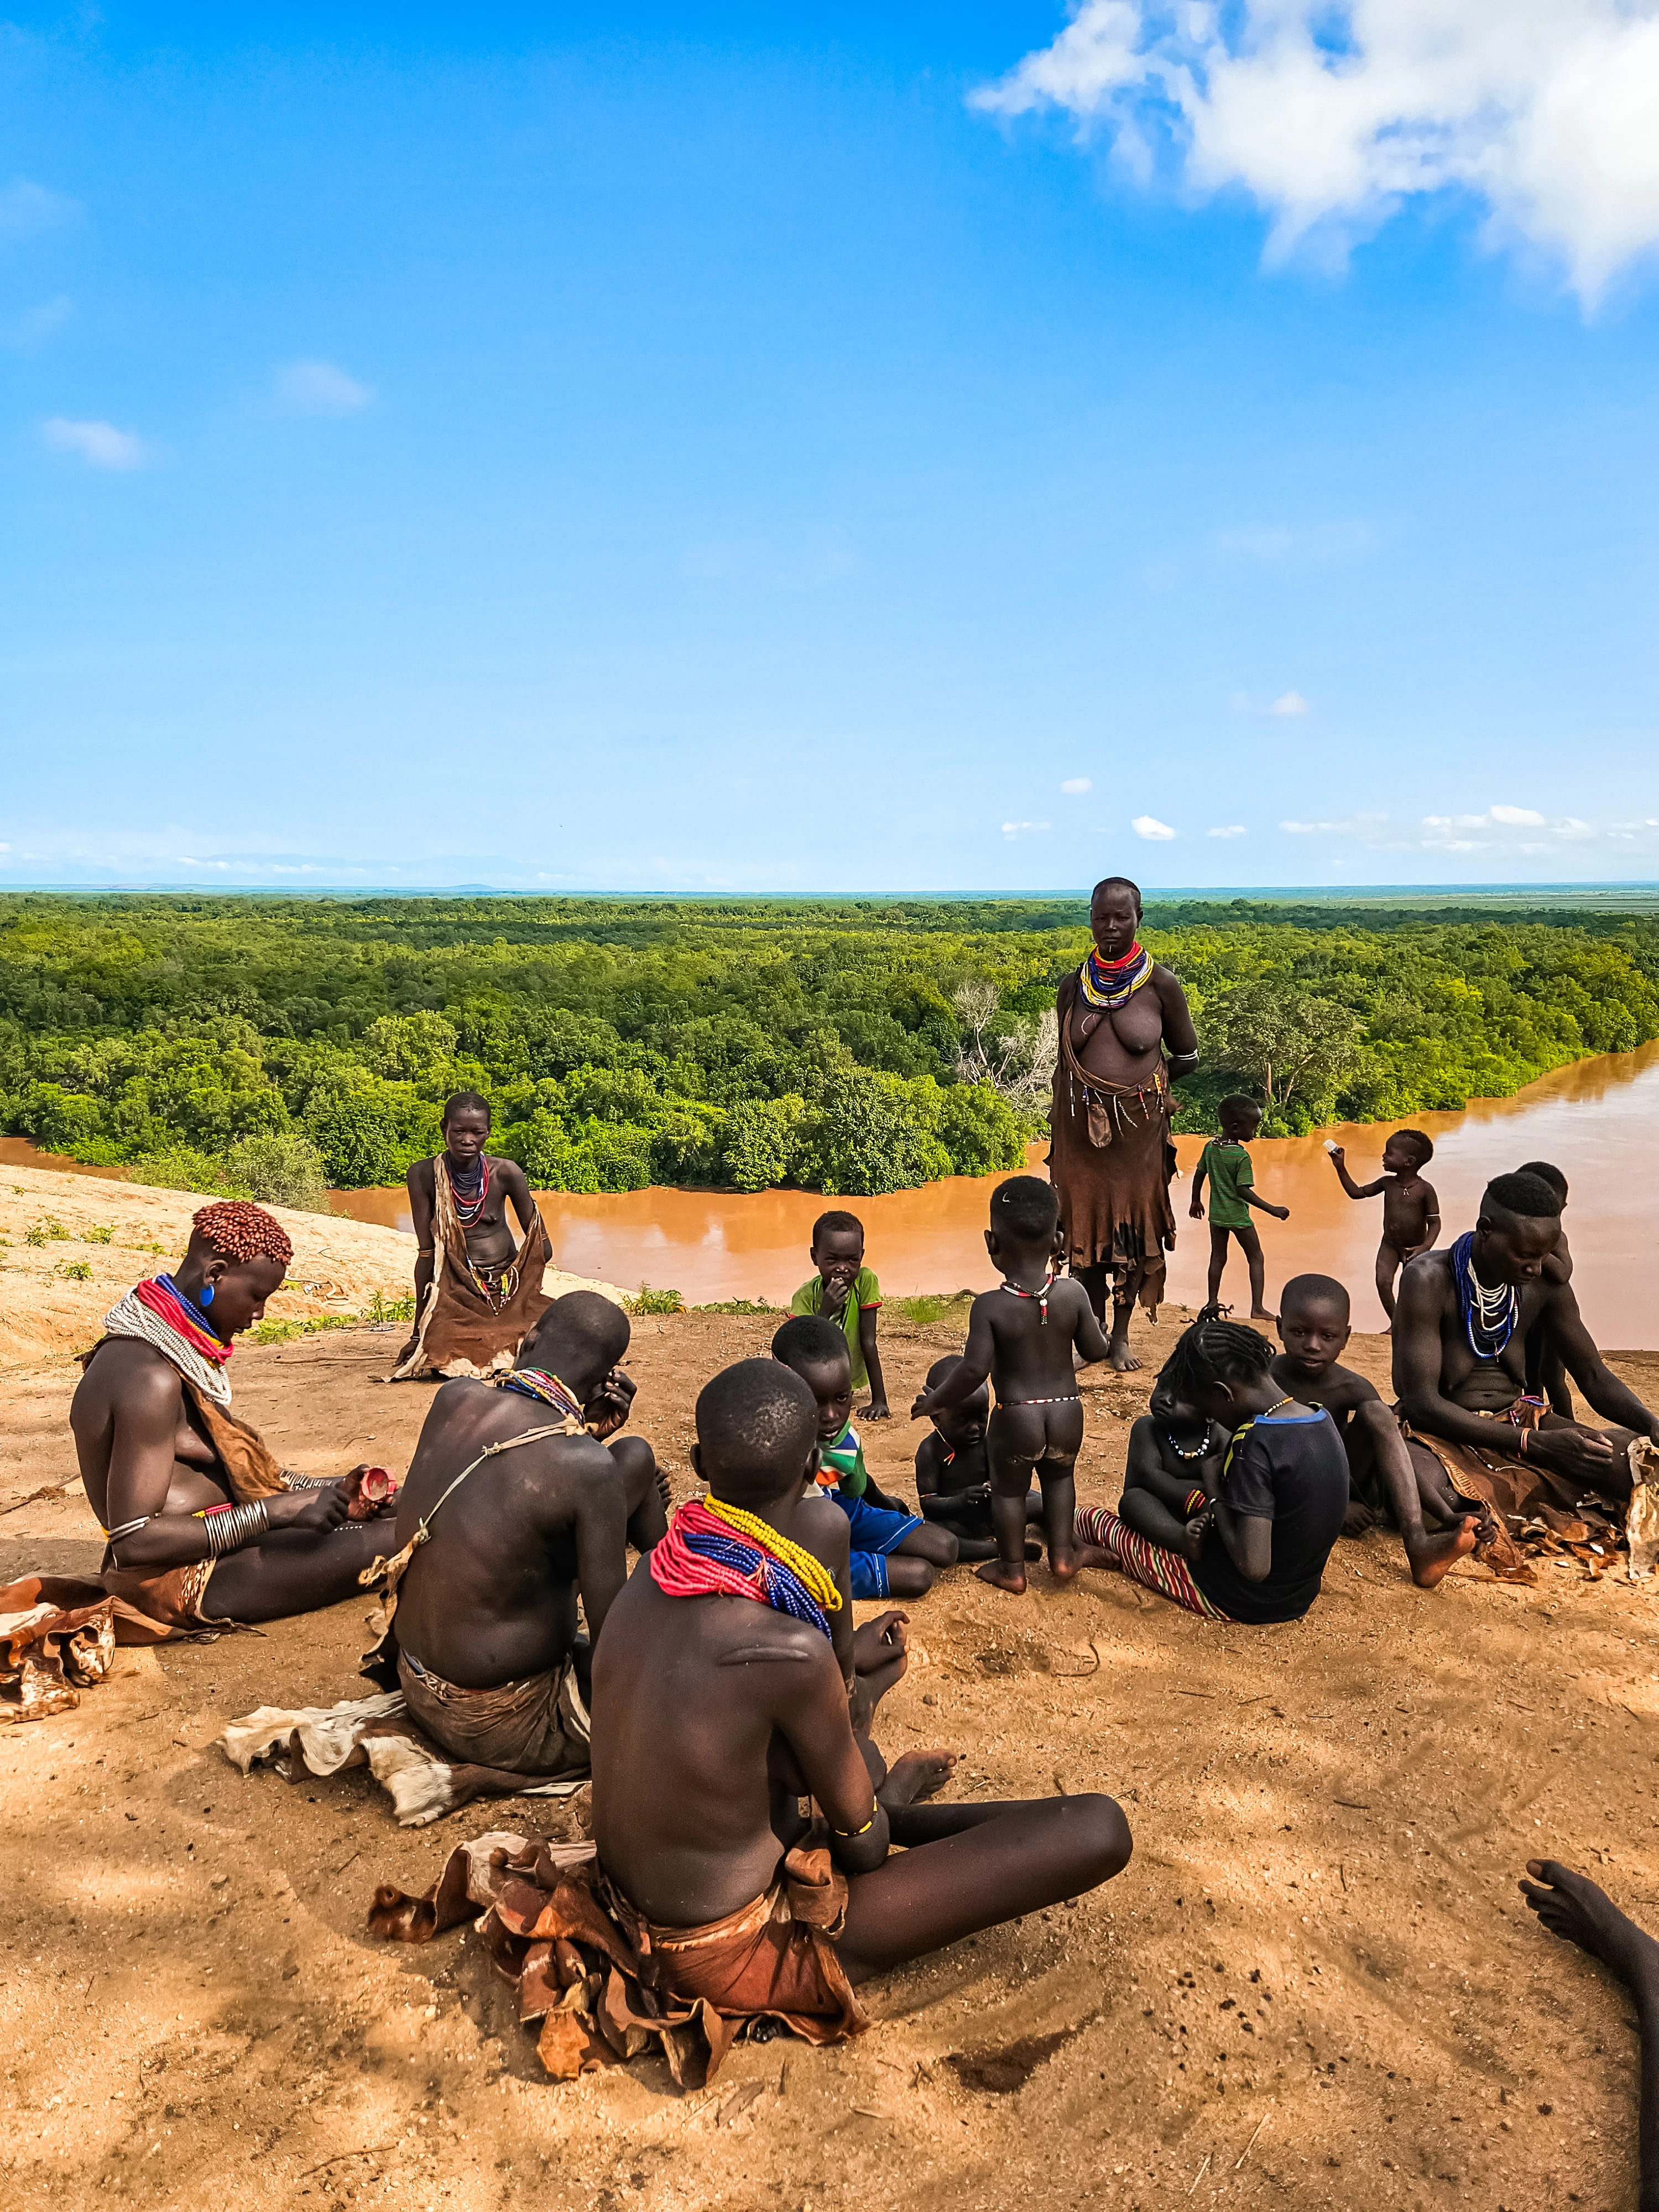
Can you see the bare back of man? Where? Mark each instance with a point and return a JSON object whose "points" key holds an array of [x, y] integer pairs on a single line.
{"points": [[490, 1596], [713, 1715]]}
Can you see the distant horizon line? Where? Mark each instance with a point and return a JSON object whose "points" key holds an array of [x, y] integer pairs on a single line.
{"points": [[1579, 888]]}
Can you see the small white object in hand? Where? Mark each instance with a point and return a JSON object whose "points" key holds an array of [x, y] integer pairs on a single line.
{"points": [[1330, 1145]]}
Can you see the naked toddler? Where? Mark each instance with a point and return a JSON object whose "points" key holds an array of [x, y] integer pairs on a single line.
{"points": [[1023, 1335]]}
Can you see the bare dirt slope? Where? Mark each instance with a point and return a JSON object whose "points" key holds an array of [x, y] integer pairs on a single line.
{"points": [[1315, 1984], [47, 1307]]}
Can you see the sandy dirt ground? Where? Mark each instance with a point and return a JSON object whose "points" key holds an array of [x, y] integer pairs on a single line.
{"points": [[79, 1221], [1315, 1983]]}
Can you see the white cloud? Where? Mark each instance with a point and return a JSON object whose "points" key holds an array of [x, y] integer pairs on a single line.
{"points": [[317, 387], [1022, 829], [1516, 818], [1232, 829], [1075, 786], [1332, 112], [1289, 702], [1149, 827], [100, 444], [26, 209]]}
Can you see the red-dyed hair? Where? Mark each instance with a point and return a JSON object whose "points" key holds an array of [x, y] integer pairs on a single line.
{"points": [[242, 1231]]}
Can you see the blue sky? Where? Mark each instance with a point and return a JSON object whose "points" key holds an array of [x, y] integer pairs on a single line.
{"points": [[754, 449]]}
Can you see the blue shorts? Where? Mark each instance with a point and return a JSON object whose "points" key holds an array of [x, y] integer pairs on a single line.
{"points": [[875, 1533]]}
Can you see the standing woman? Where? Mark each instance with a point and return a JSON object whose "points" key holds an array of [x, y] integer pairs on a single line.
{"points": [[1126, 1035]]}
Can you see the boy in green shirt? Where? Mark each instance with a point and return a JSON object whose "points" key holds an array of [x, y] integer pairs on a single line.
{"points": [[1232, 1194], [844, 1291]]}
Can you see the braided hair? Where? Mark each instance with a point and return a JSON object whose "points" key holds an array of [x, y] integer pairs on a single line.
{"points": [[242, 1231], [1213, 1351]]}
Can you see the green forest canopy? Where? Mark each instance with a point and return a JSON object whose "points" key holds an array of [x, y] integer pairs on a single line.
{"points": [[848, 1046]]}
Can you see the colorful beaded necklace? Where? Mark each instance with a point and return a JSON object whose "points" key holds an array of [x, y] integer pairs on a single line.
{"points": [[537, 1382], [1115, 982], [467, 1209]]}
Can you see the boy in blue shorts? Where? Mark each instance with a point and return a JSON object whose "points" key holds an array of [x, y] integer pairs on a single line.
{"points": [[894, 1553]]}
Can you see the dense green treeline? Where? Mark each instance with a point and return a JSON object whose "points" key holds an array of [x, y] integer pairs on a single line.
{"points": [[846, 1045]]}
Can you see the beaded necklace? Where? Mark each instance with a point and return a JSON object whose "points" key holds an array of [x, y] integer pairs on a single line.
{"points": [[467, 1210], [1115, 982], [1198, 1452], [1489, 1316], [1041, 1295], [537, 1382]]}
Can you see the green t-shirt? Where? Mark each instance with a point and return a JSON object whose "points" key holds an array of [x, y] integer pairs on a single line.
{"points": [[842, 1463], [1228, 1166], [865, 1292]]}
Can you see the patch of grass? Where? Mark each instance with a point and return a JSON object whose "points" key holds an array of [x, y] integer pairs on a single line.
{"points": [[284, 1332], [101, 1232], [648, 1301], [380, 1308], [142, 1244], [936, 1307], [49, 1231], [739, 1306], [77, 1271]]}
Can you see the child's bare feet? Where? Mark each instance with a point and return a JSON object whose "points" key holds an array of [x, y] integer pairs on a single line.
{"points": [[1003, 1577], [1358, 1520], [1064, 1566], [1571, 1906], [1429, 1557], [917, 1775], [1092, 1555], [1119, 1358], [1261, 1313]]}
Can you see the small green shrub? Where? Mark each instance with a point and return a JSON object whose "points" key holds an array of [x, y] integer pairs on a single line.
{"points": [[648, 1301], [101, 1232], [284, 1332], [34, 1234], [77, 1271], [738, 1306], [380, 1308], [922, 1311]]}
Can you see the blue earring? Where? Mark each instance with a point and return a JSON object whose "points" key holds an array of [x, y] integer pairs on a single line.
{"points": [[204, 1296]]}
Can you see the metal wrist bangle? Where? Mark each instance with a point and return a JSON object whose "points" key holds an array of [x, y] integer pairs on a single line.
{"points": [[229, 1528], [307, 1481]]}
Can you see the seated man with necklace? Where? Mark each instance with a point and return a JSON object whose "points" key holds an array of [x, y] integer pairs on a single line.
{"points": [[1476, 1439], [512, 1504], [205, 1529], [477, 1289]]}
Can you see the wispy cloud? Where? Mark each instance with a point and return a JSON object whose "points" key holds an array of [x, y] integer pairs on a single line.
{"points": [[1284, 541], [29, 329], [1332, 113], [1231, 829], [1023, 829], [317, 387], [100, 444], [26, 209], [1149, 827], [1289, 702], [1075, 786]]}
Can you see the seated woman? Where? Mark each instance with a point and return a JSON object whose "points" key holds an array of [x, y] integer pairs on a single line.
{"points": [[203, 1526]]}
